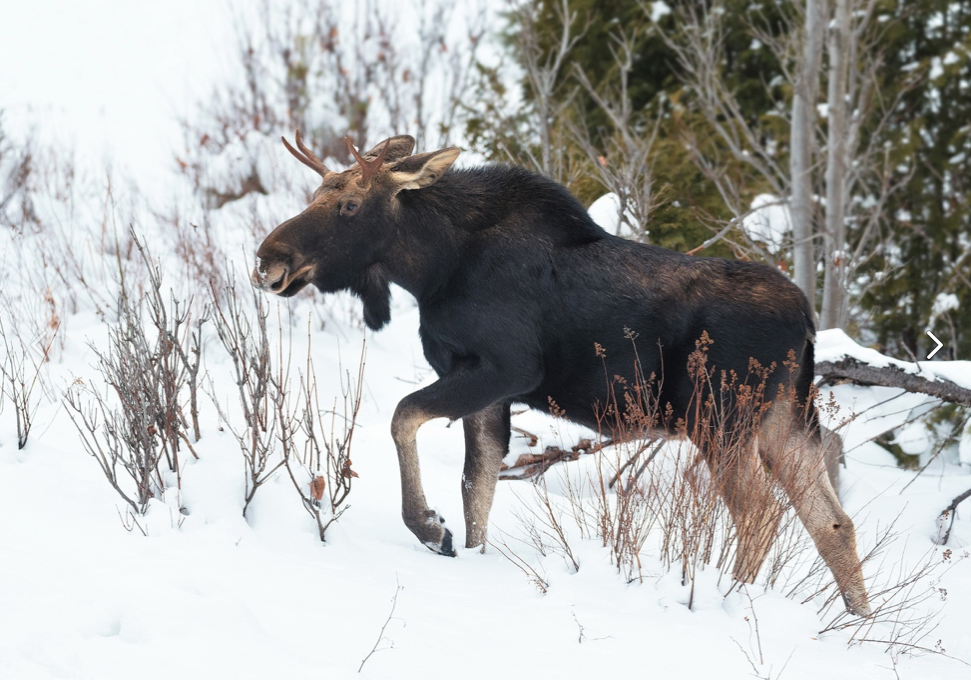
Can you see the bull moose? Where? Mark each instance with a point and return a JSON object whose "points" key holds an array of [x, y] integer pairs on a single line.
{"points": [[516, 285]]}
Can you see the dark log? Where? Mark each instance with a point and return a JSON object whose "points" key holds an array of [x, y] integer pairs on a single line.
{"points": [[859, 373]]}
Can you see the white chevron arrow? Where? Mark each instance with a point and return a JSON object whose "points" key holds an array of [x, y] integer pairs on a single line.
{"points": [[939, 344]]}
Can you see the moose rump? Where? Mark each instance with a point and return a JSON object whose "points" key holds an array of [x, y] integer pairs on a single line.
{"points": [[523, 298]]}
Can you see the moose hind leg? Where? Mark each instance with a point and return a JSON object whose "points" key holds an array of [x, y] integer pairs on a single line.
{"points": [[747, 491], [486, 444], [796, 457]]}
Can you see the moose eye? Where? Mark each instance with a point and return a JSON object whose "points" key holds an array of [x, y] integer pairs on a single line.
{"points": [[349, 208]]}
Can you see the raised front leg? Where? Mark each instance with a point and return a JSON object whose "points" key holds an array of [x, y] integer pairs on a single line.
{"points": [[461, 393], [424, 523], [486, 444]]}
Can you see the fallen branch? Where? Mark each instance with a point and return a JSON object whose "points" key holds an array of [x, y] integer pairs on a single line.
{"points": [[532, 465], [951, 512], [859, 373]]}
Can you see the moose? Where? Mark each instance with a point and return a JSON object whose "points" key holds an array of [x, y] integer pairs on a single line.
{"points": [[524, 299]]}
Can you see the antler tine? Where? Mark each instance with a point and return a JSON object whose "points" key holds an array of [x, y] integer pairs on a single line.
{"points": [[367, 167], [306, 156], [310, 154]]}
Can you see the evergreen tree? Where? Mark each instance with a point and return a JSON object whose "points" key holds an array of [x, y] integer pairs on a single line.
{"points": [[929, 218]]}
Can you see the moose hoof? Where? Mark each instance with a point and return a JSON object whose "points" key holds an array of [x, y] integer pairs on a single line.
{"points": [[858, 606], [444, 547], [431, 531]]}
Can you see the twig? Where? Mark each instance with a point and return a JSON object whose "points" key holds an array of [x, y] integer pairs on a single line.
{"points": [[394, 603], [581, 635], [533, 439], [640, 470], [523, 565]]}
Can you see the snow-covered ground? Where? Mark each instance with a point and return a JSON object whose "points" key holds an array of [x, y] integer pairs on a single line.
{"points": [[213, 594]]}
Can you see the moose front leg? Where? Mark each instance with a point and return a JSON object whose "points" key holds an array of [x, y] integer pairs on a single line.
{"points": [[486, 444], [424, 523], [464, 393]]}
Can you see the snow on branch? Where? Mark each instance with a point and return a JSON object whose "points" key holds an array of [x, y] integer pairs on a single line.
{"points": [[838, 358]]}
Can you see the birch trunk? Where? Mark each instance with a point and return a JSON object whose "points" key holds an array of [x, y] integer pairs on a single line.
{"points": [[836, 167], [801, 156]]}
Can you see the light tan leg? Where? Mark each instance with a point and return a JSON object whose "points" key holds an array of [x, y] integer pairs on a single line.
{"points": [[797, 459], [747, 491], [424, 523], [486, 444], [833, 447]]}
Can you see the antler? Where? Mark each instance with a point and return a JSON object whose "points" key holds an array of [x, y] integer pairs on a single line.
{"points": [[306, 156], [367, 167]]}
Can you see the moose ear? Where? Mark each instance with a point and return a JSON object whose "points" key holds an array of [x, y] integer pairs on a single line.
{"points": [[423, 169], [399, 147]]}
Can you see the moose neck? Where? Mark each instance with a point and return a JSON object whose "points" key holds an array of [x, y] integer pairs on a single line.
{"points": [[427, 243]]}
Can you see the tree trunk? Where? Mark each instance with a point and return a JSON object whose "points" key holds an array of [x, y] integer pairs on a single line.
{"points": [[801, 155], [835, 232]]}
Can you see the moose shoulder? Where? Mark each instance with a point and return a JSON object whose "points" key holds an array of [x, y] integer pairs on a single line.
{"points": [[523, 298]]}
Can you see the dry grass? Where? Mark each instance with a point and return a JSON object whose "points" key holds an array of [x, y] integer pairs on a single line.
{"points": [[659, 502]]}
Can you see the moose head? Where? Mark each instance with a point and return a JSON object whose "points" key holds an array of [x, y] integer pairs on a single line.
{"points": [[348, 231]]}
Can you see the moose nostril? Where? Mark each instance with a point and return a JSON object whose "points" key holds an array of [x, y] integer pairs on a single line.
{"points": [[277, 285]]}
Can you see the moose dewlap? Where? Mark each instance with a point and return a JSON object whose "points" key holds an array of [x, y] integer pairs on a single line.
{"points": [[523, 298]]}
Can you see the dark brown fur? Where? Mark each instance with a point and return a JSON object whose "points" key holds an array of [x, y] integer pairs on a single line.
{"points": [[515, 285]]}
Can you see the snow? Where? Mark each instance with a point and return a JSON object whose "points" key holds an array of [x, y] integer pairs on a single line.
{"points": [[659, 9], [964, 447], [835, 344], [943, 303], [110, 79], [606, 212], [768, 221], [214, 594]]}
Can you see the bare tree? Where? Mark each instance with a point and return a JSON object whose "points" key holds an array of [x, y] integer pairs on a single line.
{"points": [[836, 166], [545, 76], [857, 180], [627, 167], [801, 152], [330, 69]]}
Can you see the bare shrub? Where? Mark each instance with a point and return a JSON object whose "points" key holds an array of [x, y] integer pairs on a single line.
{"points": [[262, 396], [314, 66], [17, 209], [20, 380], [676, 499], [123, 444], [544, 526], [321, 469], [545, 60], [149, 373], [624, 161], [671, 496]]}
